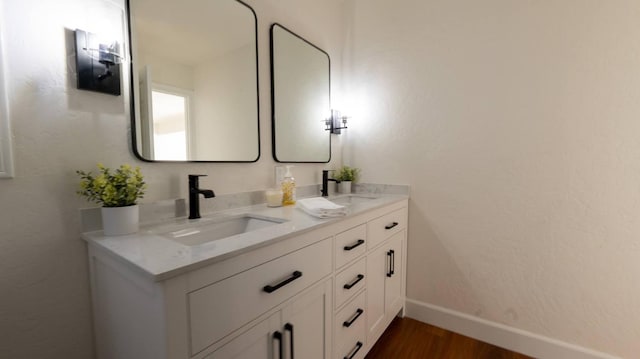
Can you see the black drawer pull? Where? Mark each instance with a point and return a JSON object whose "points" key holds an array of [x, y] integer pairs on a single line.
{"points": [[350, 285], [389, 226], [358, 243], [348, 323], [355, 351], [389, 271], [278, 336], [393, 262], [271, 289], [289, 327]]}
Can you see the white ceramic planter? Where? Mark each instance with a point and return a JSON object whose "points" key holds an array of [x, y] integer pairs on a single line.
{"points": [[118, 221], [344, 187]]}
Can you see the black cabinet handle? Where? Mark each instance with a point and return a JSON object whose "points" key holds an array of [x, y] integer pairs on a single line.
{"points": [[348, 323], [389, 270], [355, 351], [350, 285], [393, 262], [389, 226], [278, 336], [358, 243], [270, 289], [289, 327]]}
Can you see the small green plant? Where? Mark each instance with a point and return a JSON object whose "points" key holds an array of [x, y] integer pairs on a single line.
{"points": [[119, 188], [346, 173]]}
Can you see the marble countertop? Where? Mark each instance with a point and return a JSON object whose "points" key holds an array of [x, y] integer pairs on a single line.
{"points": [[160, 258]]}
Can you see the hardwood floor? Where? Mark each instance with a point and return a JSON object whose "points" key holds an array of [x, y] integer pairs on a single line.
{"points": [[410, 339]]}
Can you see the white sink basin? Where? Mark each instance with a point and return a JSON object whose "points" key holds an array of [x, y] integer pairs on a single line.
{"points": [[352, 199], [203, 230]]}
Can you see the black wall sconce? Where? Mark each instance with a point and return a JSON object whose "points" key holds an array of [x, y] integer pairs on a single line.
{"points": [[97, 64], [336, 123]]}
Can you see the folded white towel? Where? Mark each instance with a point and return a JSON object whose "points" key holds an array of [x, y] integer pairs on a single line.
{"points": [[321, 207]]}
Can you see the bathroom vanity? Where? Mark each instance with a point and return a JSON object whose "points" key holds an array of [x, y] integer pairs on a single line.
{"points": [[296, 287]]}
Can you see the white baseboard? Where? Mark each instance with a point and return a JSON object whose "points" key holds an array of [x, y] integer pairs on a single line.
{"points": [[501, 335]]}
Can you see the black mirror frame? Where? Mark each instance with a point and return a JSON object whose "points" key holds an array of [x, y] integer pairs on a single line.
{"points": [[273, 97], [132, 109]]}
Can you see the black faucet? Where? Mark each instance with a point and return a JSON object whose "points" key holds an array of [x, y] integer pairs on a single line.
{"points": [[325, 183], [194, 196]]}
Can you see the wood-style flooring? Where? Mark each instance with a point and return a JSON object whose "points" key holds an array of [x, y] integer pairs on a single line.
{"points": [[410, 339]]}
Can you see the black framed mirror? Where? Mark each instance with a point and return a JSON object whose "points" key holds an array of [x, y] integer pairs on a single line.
{"points": [[300, 98], [194, 66]]}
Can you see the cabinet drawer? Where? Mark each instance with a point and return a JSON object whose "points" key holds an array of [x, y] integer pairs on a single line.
{"points": [[350, 245], [218, 309], [350, 327], [350, 281], [384, 227]]}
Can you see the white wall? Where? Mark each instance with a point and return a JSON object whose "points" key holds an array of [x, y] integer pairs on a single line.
{"points": [[517, 125], [44, 294]]}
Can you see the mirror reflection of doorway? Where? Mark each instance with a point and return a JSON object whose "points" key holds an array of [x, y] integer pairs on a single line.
{"points": [[207, 48], [170, 125]]}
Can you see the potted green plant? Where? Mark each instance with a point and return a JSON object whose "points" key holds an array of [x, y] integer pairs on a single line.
{"points": [[346, 175], [118, 191]]}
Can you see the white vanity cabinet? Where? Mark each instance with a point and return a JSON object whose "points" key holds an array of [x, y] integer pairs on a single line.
{"points": [[328, 292], [230, 309]]}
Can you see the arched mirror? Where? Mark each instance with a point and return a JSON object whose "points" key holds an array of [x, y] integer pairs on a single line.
{"points": [[195, 80], [301, 91]]}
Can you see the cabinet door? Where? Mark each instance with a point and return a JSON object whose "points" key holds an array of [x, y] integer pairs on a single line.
{"points": [[393, 284], [256, 343], [307, 323], [377, 269], [384, 285]]}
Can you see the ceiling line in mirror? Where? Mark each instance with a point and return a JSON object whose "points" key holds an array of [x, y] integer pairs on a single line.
{"points": [[194, 80], [300, 98]]}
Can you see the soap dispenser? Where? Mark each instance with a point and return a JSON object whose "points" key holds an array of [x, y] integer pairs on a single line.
{"points": [[288, 188]]}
